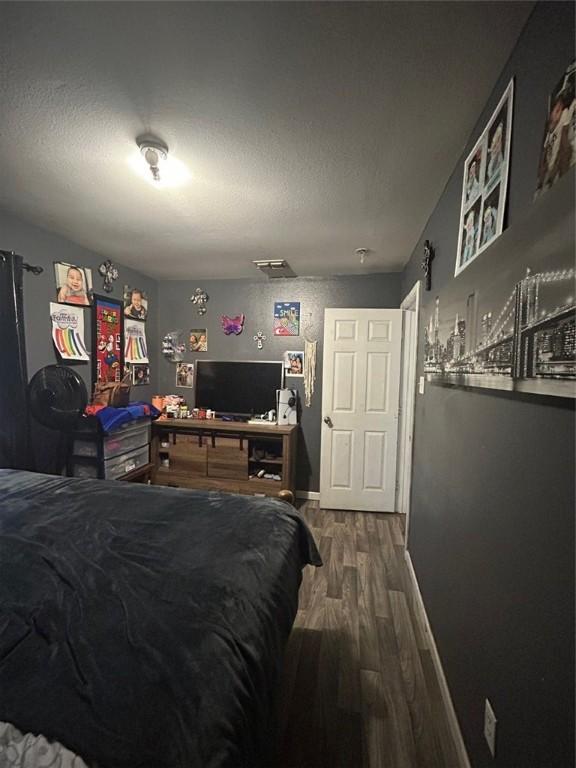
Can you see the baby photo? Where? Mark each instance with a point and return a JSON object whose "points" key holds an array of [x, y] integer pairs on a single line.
{"points": [[73, 284]]}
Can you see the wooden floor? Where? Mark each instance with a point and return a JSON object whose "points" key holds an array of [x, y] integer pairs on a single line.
{"points": [[359, 687]]}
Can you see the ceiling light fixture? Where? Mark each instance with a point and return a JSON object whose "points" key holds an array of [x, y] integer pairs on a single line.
{"points": [[362, 253], [155, 153]]}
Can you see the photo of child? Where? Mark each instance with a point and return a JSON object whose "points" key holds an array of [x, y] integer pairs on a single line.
{"points": [[473, 176], [73, 284], [198, 340], [185, 375], [294, 363], [140, 374], [558, 152], [490, 216], [496, 147], [135, 303]]}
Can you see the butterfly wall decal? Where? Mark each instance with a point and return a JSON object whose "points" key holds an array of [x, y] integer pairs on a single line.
{"points": [[232, 325]]}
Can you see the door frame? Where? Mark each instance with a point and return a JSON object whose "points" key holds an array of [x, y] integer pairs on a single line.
{"points": [[411, 307]]}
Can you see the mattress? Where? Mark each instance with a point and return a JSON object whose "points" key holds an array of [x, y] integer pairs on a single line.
{"points": [[144, 626]]}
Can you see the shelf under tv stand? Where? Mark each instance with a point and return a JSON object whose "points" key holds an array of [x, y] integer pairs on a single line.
{"points": [[212, 454]]}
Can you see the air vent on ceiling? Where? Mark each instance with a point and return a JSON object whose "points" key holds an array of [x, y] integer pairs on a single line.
{"points": [[275, 268]]}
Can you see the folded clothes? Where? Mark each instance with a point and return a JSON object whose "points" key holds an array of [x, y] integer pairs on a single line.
{"points": [[113, 418]]}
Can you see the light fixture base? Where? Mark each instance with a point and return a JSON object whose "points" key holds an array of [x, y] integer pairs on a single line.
{"points": [[154, 152]]}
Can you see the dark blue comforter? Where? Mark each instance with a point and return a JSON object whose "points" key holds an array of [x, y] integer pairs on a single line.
{"points": [[145, 626]]}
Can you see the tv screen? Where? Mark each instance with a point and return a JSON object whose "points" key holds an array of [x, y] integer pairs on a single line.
{"points": [[240, 388]]}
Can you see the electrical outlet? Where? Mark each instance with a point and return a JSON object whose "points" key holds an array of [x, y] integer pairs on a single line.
{"points": [[421, 385], [490, 727]]}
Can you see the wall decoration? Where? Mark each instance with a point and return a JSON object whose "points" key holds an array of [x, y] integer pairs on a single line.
{"points": [[260, 338], [135, 303], [286, 318], [73, 284], [485, 185], [310, 349], [294, 363], [232, 325], [509, 321], [185, 375], [110, 273], [107, 347], [135, 348], [172, 346], [200, 299], [140, 374], [198, 341], [68, 332], [558, 152], [427, 263]]}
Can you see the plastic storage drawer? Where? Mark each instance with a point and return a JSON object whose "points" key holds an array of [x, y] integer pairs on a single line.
{"points": [[120, 441], [116, 467]]}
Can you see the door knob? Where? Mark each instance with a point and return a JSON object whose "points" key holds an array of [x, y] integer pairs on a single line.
{"points": [[328, 421]]}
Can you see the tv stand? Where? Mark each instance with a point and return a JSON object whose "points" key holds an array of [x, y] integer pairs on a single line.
{"points": [[232, 456]]}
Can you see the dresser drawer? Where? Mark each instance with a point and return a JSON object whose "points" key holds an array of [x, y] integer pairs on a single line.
{"points": [[228, 460]]}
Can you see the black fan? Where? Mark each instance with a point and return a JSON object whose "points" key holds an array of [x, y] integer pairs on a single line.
{"points": [[57, 397]]}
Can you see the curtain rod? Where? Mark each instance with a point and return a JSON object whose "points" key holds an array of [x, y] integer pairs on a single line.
{"points": [[28, 267]]}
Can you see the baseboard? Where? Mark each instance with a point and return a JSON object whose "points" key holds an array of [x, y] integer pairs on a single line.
{"points": [[314, 495], [463, 760]]}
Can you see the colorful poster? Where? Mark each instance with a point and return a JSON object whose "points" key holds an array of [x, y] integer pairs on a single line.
{"points": [[68, 331], [107, 339], [287, 318], [135, 349]]}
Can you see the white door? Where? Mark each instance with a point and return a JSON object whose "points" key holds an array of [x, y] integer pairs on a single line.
{"points": [[360, 403]]}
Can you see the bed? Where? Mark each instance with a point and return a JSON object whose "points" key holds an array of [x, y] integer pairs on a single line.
{"points": [[144, 626]]}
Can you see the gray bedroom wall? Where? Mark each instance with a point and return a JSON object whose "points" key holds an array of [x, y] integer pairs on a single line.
{"points": [[256, 300], [492, 521], [42, 248]]}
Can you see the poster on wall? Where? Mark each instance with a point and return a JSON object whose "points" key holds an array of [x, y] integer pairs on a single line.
{"points": [[135, 348], [68, 332], [286, 318], [107, 339], [73, 284], [293, 363], [509, 321], [198, 340], [558, 152], [485, 185], [135, 303]]}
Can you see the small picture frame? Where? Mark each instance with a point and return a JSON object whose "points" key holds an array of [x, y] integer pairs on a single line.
{"points": [[73, 284], [140, 374], [198, 340], [135, 303], [294, 363], [185, 375]]}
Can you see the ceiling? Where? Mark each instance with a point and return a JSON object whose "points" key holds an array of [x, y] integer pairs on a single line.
{"points": [[308, 129]]}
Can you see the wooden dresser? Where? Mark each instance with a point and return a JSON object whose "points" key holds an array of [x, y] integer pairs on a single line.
{"points": [[224, 455]]}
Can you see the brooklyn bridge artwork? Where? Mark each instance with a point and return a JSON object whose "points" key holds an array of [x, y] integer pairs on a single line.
{"points": [[508, 322]]}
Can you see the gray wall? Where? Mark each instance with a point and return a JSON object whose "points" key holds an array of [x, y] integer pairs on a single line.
{"points": [[256, 300], [39, 247], [492, 525]]}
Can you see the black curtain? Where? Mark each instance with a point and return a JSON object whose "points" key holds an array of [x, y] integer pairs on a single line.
{"points": [[14, 434]]}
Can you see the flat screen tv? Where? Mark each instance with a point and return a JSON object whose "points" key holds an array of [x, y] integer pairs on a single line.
{"points": [[239, 388]]}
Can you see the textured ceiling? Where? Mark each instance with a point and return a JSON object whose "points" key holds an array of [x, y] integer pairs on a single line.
{"points": [[309, 129]]}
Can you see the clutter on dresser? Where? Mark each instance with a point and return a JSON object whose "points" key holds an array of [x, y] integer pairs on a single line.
{"points": [[113, 443]]}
